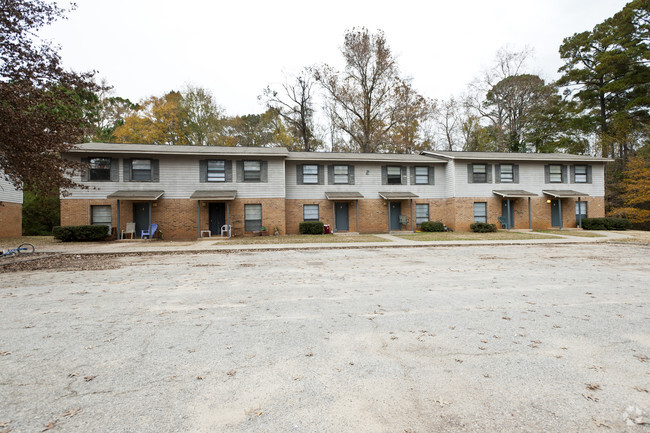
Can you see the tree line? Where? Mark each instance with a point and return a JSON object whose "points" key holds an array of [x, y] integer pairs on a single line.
{"points": [[599, 105]]}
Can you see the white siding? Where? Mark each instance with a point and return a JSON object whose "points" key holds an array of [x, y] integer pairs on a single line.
{"points": [[367, 182], [179, 178], [8, 193], [531, 179]]}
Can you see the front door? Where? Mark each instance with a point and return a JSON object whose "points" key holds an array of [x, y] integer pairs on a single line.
{"points": [[342, 217], [141, 217], [395, 212], [504, 213], [217, 217], [555, 213]]}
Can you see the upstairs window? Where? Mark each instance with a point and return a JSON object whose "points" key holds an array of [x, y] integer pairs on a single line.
{"points": [[141, 170], [216, 171], [421, 175], [479, 173], [555, 173], [310, 173], [100, 169], [341, 173], [506, 173], [393, 175], [252, 171], [580, 174]]}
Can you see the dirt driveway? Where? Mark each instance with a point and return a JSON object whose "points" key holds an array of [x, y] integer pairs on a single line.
{"points": [[450, 339]]}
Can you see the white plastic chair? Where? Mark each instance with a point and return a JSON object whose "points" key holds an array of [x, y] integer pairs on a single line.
{"points": [[226, 229], [130, 228]]}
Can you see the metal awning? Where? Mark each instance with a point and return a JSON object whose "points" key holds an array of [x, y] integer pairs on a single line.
{"points": [[136, 195], [213, 195], [343, 195], [397, 195], [513, 193], [564, 193]]}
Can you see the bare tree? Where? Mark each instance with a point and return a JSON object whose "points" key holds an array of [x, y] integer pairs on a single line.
{"points": [[362, 95], [294, 104]]}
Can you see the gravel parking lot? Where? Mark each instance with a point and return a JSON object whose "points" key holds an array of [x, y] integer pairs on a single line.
{"points": [[451, 339]]}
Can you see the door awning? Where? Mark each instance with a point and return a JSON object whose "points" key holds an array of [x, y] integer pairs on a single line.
{"points": [[403, 195], [513, 193], [343, 195], [564, 193], [136, 195], [213, 195]]}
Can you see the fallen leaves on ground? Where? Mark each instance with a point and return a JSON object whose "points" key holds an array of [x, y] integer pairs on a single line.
{"points": [[89, 378], [72, 412]]}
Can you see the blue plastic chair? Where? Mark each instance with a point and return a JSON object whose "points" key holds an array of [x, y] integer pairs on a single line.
{"points": [[504, 223], [150, 232]]}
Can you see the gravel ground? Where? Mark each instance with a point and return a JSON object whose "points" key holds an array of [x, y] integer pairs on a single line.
{"points": [[533, 338]]}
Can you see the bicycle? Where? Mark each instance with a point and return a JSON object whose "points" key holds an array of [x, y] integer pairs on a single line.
{"points": [[25, 249]]}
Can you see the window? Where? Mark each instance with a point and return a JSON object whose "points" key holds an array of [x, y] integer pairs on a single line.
{"points": [[393, 175], [310, 174], [252, 217], [341, 174], [310, 212], [101, 215], [421, 175], [421, 213], [216, 171], [480, 212], [479, 173], [506, 173], [141, 170], [252, 171], [100, 169], [555, 173], [580, 174], [581, 211]]}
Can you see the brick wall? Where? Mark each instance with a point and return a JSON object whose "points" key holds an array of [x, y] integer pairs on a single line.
{"points": [[11, 220], [463, 209], [177, 219]]}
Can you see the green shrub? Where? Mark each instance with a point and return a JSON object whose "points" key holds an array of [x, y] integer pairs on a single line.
{"points": [[311, 228], [606, 224], [432, 226], [483, 227], [88, 233]]}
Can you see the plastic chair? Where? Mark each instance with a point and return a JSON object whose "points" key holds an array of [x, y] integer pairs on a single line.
{"points": [[504, 223], [227, 229], [130, 228], [150, 232]]}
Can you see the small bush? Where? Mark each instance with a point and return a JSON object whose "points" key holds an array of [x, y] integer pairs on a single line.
{"points": [[311, 228], [606, 224], [432, 226], [88, 233], [483, 227]]}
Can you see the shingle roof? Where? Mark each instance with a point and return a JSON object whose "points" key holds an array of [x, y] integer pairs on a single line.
{"points": [[163, 149], [511, 156], [362, 157]]}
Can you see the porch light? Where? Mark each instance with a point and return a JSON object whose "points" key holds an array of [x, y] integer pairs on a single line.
{"points": [[548, 201]]}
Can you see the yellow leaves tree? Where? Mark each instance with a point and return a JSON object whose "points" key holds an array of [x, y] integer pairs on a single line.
{"points": [[157, 121], [635, 191]]}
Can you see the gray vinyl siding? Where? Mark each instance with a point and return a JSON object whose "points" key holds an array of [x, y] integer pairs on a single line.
{"points": [[179, 177], [367, 181], [8, 193], [531, 178]]}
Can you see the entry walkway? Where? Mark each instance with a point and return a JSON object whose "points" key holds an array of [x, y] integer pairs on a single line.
{"points": [[392, 241]]}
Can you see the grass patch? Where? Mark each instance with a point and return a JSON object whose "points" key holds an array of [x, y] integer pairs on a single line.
{"points": [[301, 239], [635, 237], [37, 241], [471, 236], [578, 233]]}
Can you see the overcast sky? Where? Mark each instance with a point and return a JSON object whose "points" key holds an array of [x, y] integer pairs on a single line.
{"points": [[236, 48]]}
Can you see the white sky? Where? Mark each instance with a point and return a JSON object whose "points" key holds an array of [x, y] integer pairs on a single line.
{"points": [[236, 48]]}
